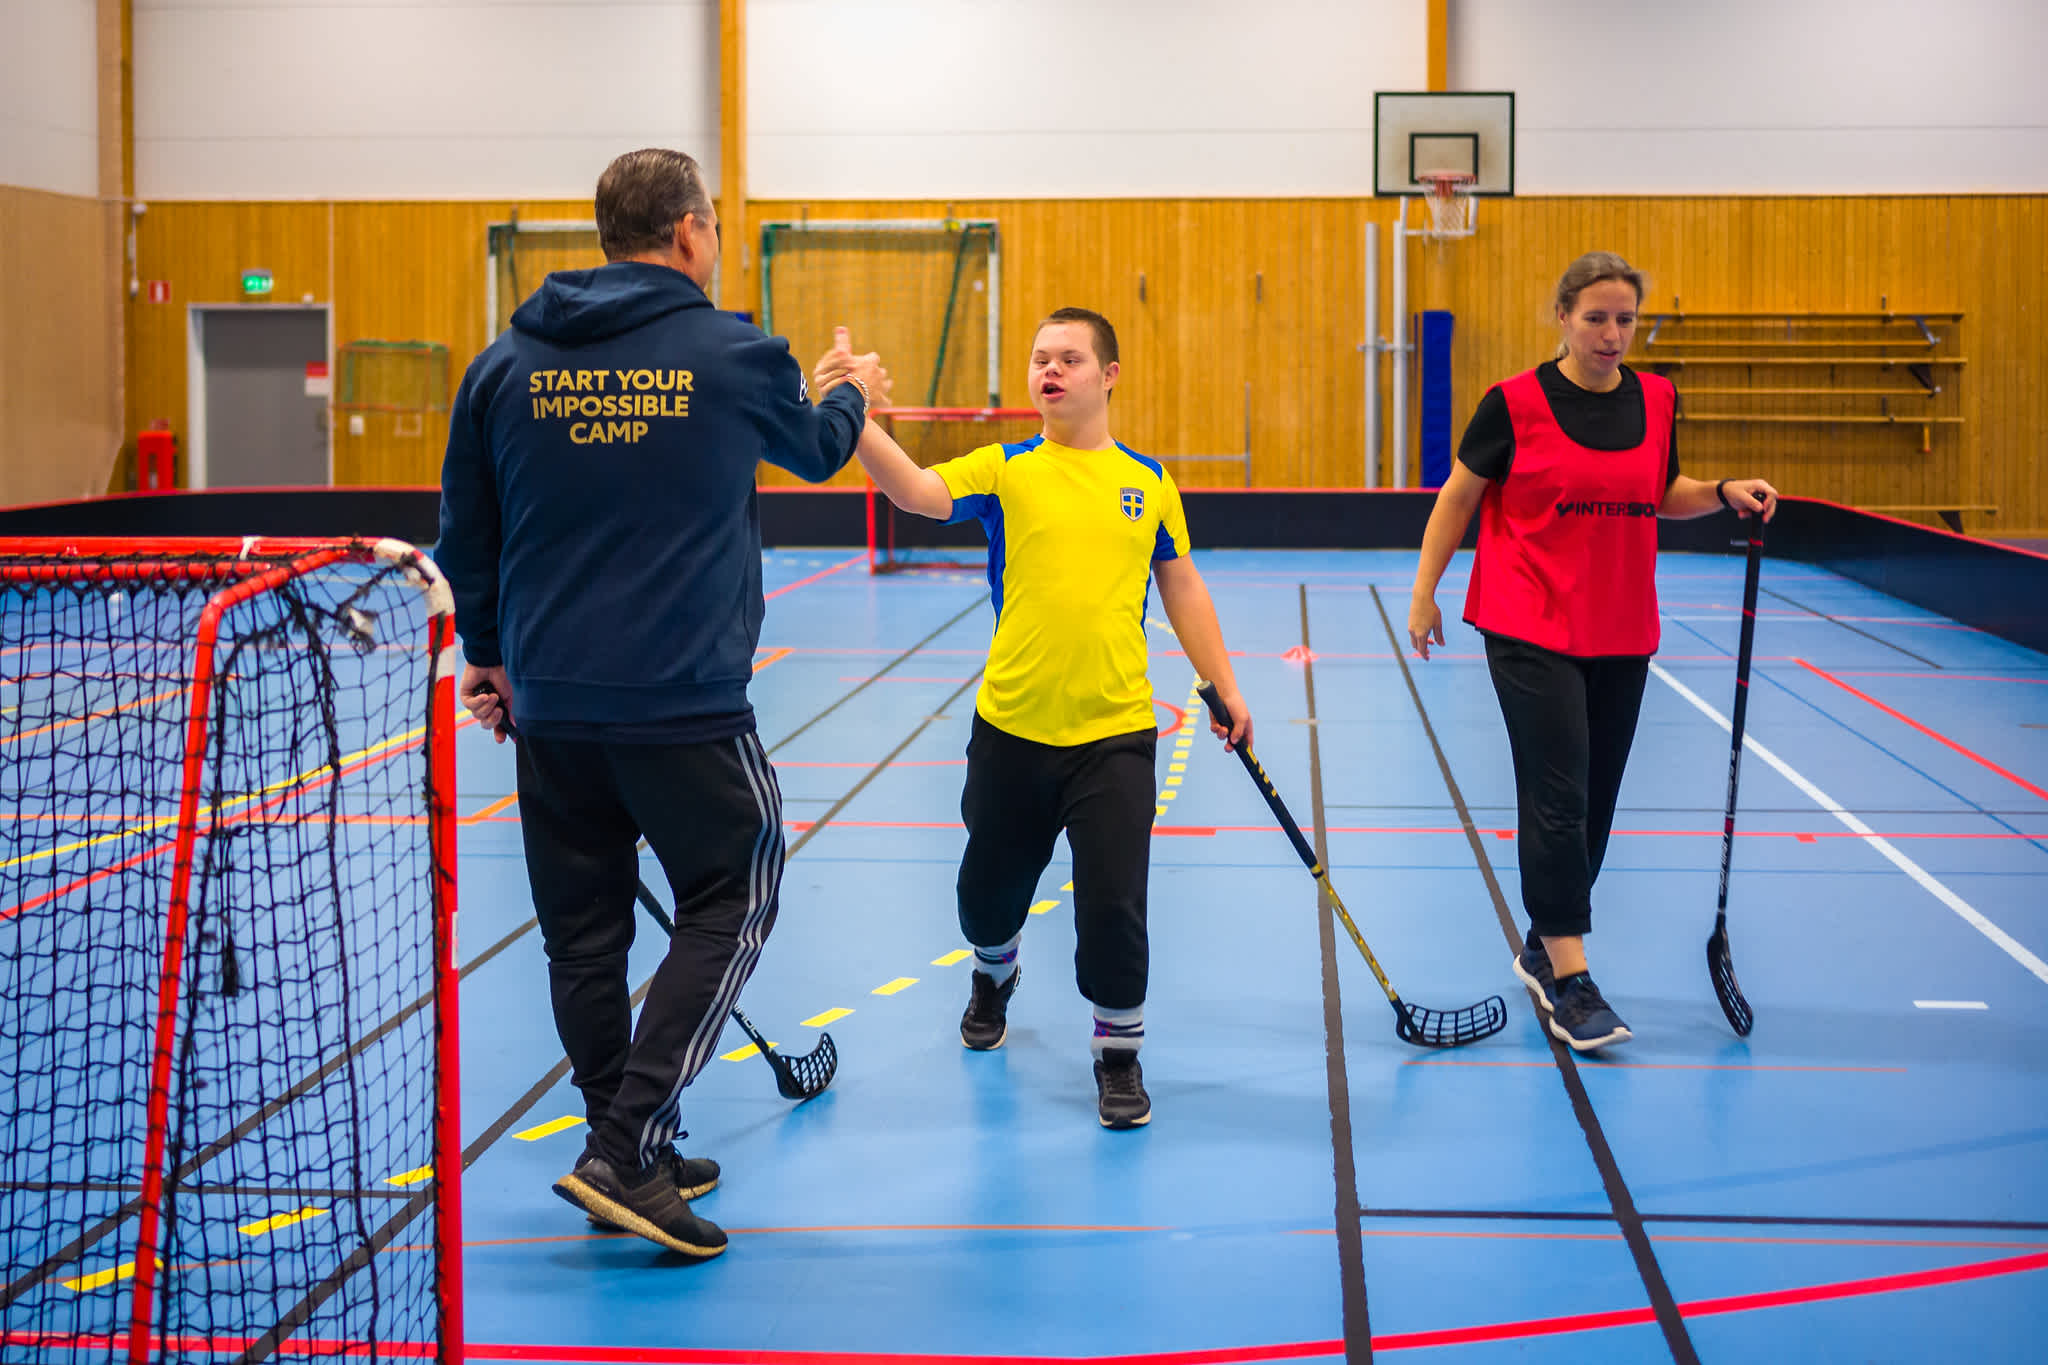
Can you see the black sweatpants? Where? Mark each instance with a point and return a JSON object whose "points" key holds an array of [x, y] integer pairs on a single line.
{"points": [[1019, 795], [712, 813], [1570, 724]]}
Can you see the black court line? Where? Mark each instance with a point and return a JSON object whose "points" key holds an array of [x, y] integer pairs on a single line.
{"points": [[1711, 1219], [92, 1236], [263, 1347], [1357, 1314], [1662, 1302], [1811, 611], [881, 673]]}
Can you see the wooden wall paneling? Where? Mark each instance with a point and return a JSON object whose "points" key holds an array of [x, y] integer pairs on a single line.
{"points": [[60, 420]]}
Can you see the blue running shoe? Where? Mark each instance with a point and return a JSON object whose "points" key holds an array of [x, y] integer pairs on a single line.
{"points": [[1583, 1020], [1532, 965]]}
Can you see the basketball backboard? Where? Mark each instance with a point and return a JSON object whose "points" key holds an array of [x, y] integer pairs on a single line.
{"points": [[1417, 132]]}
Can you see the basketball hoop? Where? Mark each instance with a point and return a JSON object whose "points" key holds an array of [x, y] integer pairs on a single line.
{"points": [[1449, 194]]}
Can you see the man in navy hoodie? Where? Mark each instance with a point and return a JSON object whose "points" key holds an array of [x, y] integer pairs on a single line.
{"points": [[600, 527]]}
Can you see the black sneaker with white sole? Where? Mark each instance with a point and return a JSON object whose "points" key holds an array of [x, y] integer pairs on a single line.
{"points": [[987, 1019], [1532, 966], [694, 1177], [1120, 1098], [649, 1207], [1583, 1018]]}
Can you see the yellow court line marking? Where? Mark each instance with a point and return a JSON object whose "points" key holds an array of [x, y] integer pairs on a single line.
{"points": [[901, 983], [824, 1018], [488, 811], [957, 955], [417, 1176], [149, 826], [1176, 767], [279, 1221], [1168, 794], [741, 1054], [1041, 907], [774, 656], [1068, 887], [1175, 781], [550, 1128], [1158, 811], [100, 1279]]}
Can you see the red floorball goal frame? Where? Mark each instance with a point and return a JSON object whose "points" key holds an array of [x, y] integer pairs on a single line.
{"points": [[228, 1033], [900, 541]]}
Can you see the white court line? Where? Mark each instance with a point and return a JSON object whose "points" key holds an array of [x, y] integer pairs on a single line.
{"points": [[1969, 913], [1950, 1005]]}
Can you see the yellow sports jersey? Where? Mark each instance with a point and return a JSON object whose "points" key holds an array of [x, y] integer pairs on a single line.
{"points": [[1072, 535]]}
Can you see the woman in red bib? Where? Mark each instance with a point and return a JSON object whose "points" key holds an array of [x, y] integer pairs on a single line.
{"points": [[1569, 466]]}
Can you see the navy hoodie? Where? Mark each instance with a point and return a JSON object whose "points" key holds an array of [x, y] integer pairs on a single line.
{"points": [[599, 522]]}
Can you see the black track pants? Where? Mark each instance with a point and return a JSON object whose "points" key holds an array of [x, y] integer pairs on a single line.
{"points": [[712, 813], [1570, 724], [1018, 797]]}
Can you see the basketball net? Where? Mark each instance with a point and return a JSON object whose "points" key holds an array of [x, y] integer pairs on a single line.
{"points": [[1449, 195]]}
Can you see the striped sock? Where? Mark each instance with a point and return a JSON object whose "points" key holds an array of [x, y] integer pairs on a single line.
{"points": [[999, 963], [1123, 1029]]}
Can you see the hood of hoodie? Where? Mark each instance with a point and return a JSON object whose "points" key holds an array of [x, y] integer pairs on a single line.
{"points": [[575, 307]]}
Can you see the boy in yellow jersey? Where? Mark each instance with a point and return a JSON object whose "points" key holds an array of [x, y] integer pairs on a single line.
{"points": [[1064, 730]]}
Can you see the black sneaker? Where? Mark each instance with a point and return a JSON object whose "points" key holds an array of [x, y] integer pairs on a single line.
{"points": [[1120, 1098], [1532, 965], [650, 1209], [987, 1020], [694, 1176], [1583, 1019]]}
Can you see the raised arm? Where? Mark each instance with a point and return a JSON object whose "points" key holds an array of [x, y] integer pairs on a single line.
{"points": [[901, 480]]}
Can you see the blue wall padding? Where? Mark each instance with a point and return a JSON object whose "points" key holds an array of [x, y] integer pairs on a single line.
{"points": [[1435, 349]]}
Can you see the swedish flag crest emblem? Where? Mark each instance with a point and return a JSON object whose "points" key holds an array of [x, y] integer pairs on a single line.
{"points": [[1133, 503]]}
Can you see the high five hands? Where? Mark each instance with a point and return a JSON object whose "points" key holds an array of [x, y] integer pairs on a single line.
{"points": [[840, 364]]}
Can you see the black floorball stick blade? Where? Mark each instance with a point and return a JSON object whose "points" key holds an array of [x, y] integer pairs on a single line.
{"points": [[801, 1076], [1425, 1027], [1721, 967]]}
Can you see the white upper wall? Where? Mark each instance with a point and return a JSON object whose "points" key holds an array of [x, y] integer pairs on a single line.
{"points": [[415, 99], [961, 99], [1764, 96], [964, 99], [49, 95]]}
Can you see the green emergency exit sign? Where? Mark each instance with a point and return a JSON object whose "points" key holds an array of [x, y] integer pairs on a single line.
{"points": [[256, 283]]}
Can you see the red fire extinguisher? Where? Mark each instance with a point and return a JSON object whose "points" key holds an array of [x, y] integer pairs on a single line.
{"points": [[156, 458]]}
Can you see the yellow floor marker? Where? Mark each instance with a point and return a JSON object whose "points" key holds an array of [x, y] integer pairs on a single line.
{"points": [[1168, 794], [1040, 907], [549, 1129], [820, 1020], [1068, 887], [1175, 781], [100, 1279], [957, 955], [413, 1177], [901, 983], [272, 1224], [1176, 767], [741, 1054]]}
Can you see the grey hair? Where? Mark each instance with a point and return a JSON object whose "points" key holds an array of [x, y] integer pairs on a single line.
{"points": [[642, 196]]}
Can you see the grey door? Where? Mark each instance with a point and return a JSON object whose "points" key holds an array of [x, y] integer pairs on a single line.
{"points": [[261, 427]]}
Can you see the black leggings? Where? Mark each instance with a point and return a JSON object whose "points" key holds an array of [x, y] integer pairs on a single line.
{"points": [[1018, 797], [1570, 724]]}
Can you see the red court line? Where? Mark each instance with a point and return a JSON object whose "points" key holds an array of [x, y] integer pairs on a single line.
{"points": [[1940, 677], [1241, 1355], [1928, 731], [773, 656], [806, 582]]}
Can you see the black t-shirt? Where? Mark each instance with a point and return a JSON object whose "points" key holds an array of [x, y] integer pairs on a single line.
{"points": [[1597, 421]]}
